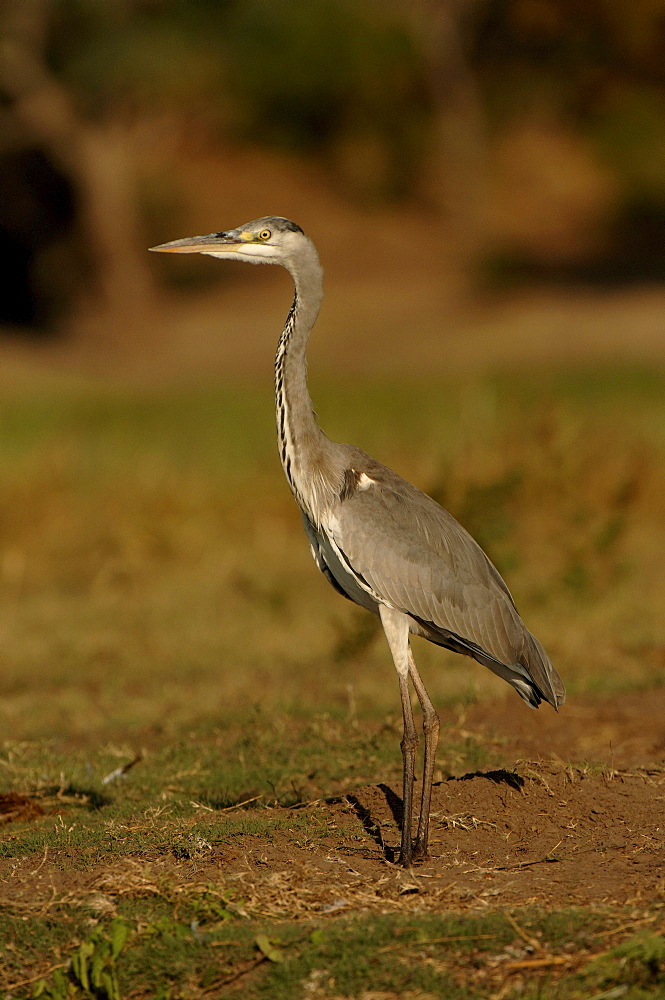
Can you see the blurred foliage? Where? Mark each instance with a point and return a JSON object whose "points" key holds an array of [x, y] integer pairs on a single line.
{"points": [[598, 67], [303, 77], [573, 57], [279, 75], [396, 100]]}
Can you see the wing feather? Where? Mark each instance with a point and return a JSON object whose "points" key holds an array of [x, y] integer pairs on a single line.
{"points": [[413, 555]]}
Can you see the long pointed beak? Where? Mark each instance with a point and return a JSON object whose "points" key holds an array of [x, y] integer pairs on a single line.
{"points": [[201, 244]]}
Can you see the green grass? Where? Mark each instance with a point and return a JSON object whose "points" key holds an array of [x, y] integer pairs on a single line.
{"points": [[157, 598], [207, 948]]}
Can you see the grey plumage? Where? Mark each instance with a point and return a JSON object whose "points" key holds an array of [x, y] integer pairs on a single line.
{"points": [[378, 540], [408, 551]]}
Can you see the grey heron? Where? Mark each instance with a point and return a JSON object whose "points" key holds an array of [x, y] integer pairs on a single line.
{"points": [[377, 539]]}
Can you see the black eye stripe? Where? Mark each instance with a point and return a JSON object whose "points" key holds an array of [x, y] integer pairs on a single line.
{"points": [[291, 227]]}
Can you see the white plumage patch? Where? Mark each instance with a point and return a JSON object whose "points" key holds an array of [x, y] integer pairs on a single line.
{"points": [[252, 253]]}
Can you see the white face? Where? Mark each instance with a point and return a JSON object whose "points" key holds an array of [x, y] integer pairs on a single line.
{"points": [[255, 251]]}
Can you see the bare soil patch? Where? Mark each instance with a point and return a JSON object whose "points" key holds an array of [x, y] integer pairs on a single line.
{"points": [[15, 807], [626, 730], [545, 836]]}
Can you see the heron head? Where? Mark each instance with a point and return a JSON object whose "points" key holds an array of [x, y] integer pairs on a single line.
{"points": [[271, 240]]}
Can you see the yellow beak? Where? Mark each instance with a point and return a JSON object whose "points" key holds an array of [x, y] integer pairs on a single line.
{"points": [[201, 244]]}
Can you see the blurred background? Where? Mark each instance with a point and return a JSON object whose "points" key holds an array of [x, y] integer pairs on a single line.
{"points": [[461, 153], [485, 182]]}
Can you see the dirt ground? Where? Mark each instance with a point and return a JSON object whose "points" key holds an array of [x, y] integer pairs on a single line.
{"points": [[544, 835], [538, 831]]}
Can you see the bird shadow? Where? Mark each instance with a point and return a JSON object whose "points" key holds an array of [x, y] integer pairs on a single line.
{"points": [[394, 802], [373, 828], [500, 777]]}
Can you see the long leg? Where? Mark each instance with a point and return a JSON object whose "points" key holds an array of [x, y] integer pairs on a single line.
{"points": [[396, 626], [431, 726]]}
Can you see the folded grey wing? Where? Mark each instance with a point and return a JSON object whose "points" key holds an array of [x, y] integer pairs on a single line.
{"points": [[412, 554]]}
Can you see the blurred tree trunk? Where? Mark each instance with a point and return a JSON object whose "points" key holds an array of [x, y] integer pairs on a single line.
{"points": [[454, 177], [96, 157]]}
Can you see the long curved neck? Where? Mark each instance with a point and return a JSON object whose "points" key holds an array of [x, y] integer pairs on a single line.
{"points": [[304, 449]]}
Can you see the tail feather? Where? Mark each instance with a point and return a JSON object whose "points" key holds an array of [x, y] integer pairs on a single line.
{"points": [[532, 674], [541, 673]]}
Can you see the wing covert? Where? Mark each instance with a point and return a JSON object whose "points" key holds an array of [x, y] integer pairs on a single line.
{"points": [[414, 555]]}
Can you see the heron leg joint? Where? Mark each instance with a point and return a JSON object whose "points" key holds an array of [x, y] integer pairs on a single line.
{"points": [[431, 724]]}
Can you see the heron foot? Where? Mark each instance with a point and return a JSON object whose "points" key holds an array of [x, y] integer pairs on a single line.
{"points": [[420, 852], [416, 854]]}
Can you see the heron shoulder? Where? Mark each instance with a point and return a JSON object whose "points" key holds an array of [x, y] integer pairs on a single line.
{"points": [[355, 481], [380, 512]]}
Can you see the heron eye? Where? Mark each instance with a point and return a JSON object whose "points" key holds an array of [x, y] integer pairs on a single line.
{"points": [[265, 234]]}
